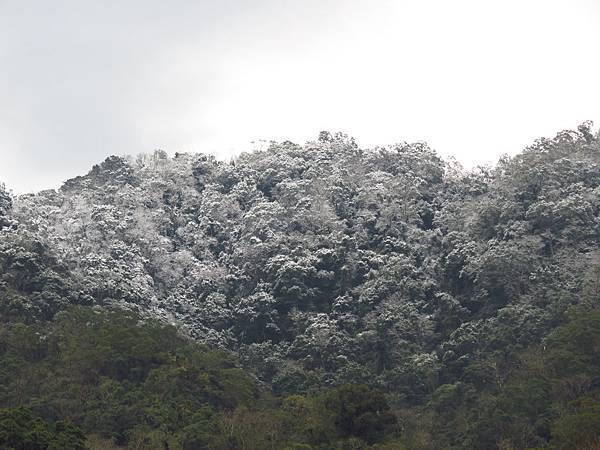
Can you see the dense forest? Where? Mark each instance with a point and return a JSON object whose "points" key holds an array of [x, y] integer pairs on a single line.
{"points": [[318, 296]]}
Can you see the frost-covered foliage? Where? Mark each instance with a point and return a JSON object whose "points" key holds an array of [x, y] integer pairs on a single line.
{"points": [[326, 263]]}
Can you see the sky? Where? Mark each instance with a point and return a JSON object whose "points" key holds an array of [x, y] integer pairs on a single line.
{"points": [[81, 80]]}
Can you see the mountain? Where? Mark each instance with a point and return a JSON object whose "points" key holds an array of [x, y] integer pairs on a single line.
{"points": [[325, 275]]}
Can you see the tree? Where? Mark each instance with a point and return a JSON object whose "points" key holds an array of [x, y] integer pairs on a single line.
{"points": [[5, 206], [360, 411], [21, 429]]}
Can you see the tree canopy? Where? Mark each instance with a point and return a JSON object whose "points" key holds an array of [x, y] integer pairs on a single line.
{"points": [[456, 308]]}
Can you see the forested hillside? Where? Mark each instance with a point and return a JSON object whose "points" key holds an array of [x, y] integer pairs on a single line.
{"points": [[317, 296]]}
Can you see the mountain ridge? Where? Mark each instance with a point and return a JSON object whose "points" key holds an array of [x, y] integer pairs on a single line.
{"points": [[325, 264]]}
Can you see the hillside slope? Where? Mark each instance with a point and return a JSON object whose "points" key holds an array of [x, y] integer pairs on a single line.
{"points": [[325, 264]]}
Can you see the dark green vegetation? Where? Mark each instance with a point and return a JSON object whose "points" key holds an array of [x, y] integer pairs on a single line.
{"points": [[125, 382], [20, 429], [359, 299]]}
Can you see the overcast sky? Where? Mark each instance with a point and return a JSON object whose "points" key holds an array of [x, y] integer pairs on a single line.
{"points": [[80, 80]]}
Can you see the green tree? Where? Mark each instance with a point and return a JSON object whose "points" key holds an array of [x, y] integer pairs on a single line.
{"points": [[20, 429]]}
